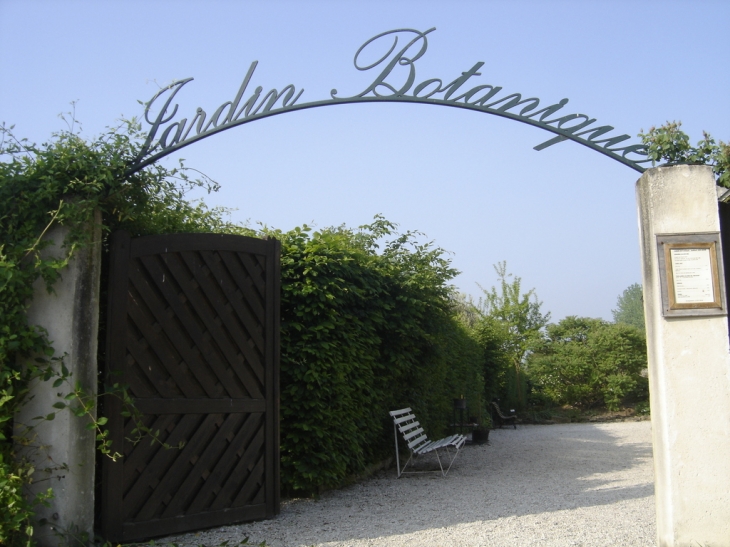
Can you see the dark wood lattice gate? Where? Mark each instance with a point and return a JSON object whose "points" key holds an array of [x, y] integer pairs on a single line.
{"points": [[193, 331]]}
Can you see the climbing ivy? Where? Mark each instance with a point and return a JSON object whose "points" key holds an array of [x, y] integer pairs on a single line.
{"points": [[61, 183]]}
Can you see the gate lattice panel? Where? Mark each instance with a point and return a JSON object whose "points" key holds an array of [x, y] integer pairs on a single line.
{"points": [[193, 332]]}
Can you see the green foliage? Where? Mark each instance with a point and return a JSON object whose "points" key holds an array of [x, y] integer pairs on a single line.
{"points": [[451, 368], [364, 331], [518, 313], [16, 528], [62, 183], [670, 144], [14, 519], [510, 325], [630, 307], [492, 338], [587, 362], [643, 408]]}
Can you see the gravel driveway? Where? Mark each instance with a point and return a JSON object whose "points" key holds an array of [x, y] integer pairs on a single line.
{"points": [[555, 485]]}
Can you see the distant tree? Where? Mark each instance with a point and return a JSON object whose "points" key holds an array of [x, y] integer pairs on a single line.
{"points": [[512, 319], [588, 363], [497, 369], [630, 307]]}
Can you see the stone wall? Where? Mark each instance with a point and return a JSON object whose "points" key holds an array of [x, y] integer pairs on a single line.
{"points": [[63, 450]]}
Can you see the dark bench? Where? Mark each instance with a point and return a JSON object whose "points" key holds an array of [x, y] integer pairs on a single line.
{"points": [[500, 419]]}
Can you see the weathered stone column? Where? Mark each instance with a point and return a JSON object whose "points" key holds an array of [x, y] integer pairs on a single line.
{"points": [[689, 371], [63, 450]]}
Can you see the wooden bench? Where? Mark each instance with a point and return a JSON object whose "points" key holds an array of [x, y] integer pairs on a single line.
{"points": [[500, 419], [404, 421]]}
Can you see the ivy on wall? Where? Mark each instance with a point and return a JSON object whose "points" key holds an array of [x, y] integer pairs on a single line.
{"points": [[62, 183]]}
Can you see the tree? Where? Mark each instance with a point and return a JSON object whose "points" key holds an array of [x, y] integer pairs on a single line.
{"points": [[514, 318], [630, 307], [496, 363], [588, 362]]}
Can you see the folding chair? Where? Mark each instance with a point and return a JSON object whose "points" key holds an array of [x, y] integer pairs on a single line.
{"points": [[405, 422]]}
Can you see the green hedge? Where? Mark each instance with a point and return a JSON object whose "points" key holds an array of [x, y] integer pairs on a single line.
{"points": [[364, 331]]}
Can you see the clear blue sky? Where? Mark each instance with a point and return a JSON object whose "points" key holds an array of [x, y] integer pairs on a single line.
{"points": [[564, 219]]}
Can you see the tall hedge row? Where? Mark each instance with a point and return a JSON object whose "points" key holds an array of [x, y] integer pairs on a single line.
{"points": [[364, 330]]}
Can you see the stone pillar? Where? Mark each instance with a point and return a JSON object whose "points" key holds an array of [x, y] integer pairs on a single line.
{"points": [[62, 449], [689, 371]]}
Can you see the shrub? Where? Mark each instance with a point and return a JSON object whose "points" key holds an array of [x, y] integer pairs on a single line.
{"points": [[670, 144], [589, 362]]}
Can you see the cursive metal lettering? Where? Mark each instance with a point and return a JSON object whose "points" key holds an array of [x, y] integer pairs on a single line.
{"points": [[396, 54]]}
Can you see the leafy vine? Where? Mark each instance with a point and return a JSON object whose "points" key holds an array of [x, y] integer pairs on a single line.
{"points": [[62, 183]]}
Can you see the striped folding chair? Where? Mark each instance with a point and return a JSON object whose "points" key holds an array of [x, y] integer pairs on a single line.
{"points": [[404, 421]]}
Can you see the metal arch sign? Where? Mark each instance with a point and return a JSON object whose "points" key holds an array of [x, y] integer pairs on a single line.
{"points": [[396, 53]]}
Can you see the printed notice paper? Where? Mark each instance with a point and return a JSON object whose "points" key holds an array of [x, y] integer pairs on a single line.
{"points": [[692, 273]]}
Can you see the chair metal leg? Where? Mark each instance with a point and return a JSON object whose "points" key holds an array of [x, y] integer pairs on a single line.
{"points": [[397, 458], [451, 460], [400, 472], [440, 465]]}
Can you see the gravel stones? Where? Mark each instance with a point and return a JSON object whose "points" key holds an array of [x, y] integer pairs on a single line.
{"points": [[557, 485]]}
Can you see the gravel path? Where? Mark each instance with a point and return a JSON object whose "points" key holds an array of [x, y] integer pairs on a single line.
{"points": [[558, 485]]}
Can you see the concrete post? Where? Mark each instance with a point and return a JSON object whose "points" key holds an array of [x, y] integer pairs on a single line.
{"points": [[689, 371], [63, 450]]}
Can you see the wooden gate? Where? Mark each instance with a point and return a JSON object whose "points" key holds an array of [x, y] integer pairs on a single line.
{"points": [[193, 332]]}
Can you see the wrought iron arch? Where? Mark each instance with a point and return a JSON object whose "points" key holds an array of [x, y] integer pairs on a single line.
{"points": [[168, 133]]}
